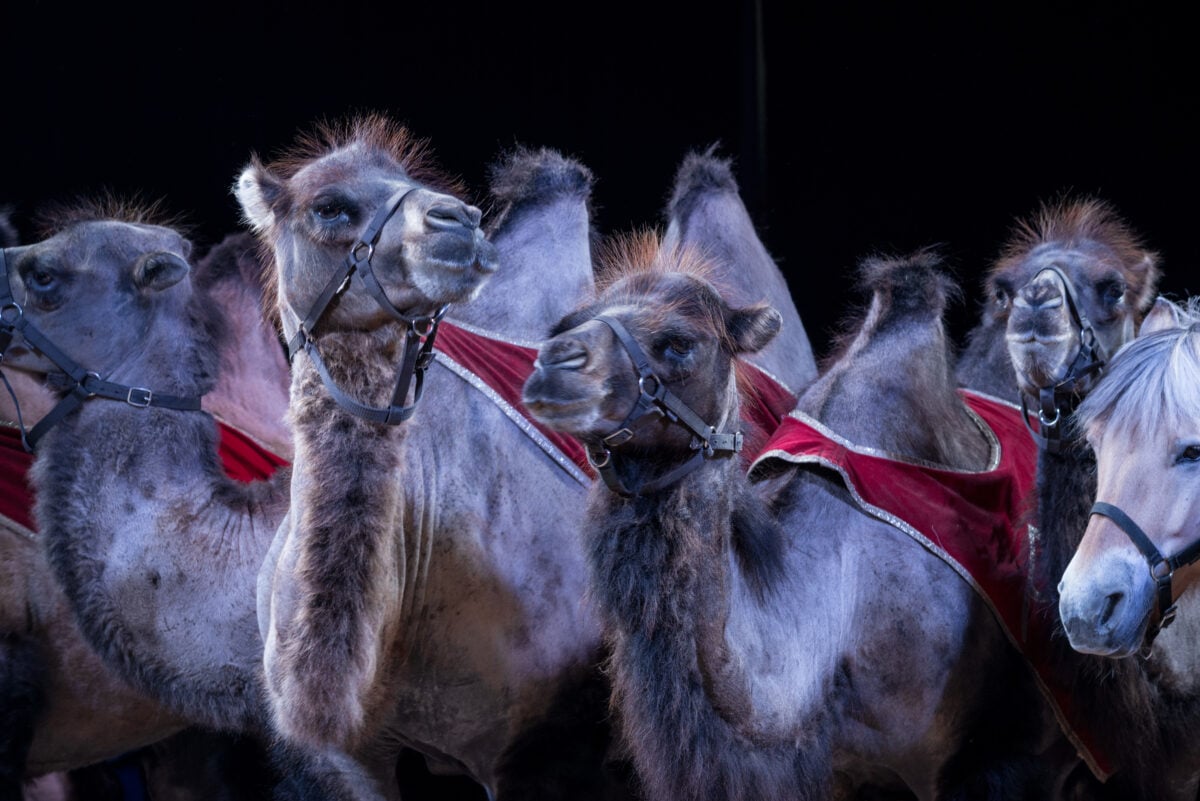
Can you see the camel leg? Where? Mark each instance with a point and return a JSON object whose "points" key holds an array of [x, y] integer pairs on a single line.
{"points": [[21, 700]]}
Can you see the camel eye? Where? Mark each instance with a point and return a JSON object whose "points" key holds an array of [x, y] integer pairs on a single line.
{"points": [[678, 348], [1001, 297], [1111, 292], [329, 210], [40, 279]]}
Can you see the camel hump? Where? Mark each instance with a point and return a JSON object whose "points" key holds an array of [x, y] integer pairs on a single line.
{"points": [[701, 172], [906, 288], [235, 256], [531, 175]]}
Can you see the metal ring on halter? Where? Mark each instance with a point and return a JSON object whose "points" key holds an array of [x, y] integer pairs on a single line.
{"points": [[1166, 565], [642, 385], [12, 304], [425, 326], [370, 251], [1052, 422]]}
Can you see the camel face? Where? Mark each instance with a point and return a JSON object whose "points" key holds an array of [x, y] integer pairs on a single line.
{"points": [[1074, 279], [585, 382], [72, 285], [430, 249]]}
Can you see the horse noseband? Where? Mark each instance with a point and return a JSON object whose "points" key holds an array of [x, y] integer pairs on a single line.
{"points": [[420, 331], [1162, 568], [654, 402]]}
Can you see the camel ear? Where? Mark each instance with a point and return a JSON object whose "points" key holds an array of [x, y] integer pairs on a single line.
{"points": [[157, 271], [753, 328], [257, 190], [1148, 268], [1162, 315]]}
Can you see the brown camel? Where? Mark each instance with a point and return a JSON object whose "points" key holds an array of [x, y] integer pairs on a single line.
{"points": [[428, 583], [775, 641]]}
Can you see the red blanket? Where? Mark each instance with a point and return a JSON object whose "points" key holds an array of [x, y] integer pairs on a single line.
{"points": [[975, 522], [503, 367], [244, 460]]}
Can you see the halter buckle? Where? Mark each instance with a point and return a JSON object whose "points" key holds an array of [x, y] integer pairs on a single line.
{"points": [[618, 437], [142, 398], [1168, 616]]}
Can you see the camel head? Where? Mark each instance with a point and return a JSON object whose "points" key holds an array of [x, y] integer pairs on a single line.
{"points": [[585, 382], [1070, 288], [110, 291], [363, 190]]}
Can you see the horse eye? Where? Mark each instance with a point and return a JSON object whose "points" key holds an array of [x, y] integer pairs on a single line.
{"points": [[1190, 453]]}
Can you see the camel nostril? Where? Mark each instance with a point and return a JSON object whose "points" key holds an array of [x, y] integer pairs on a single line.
{"points": [[1110, 606], [453, 215], [567, 356]]}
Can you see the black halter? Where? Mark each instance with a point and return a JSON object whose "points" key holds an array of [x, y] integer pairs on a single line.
{"points": [[655, 401], [81, 384], [1162, 568], [419, 333], [1053, 400]]}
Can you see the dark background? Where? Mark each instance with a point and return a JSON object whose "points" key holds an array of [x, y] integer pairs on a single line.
{"points": [[855, 128]]}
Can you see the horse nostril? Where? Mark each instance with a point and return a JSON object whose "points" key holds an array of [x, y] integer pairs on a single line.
{"points": [[453, 215], [1110, 606]]}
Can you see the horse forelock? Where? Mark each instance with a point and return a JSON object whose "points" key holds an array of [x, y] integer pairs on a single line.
{"points": [[1149, 387], [1079, 223], [374, 132]]}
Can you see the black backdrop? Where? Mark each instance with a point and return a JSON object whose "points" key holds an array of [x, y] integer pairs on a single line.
{"points": [[855, 128]]}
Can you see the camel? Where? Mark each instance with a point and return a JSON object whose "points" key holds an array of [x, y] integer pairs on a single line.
{"points": [[752, 655], [426, 588], [176, 625], [1070, 289], [706, 212]]}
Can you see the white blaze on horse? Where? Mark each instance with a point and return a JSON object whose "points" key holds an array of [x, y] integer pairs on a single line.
{"points": [[1129, 576]]}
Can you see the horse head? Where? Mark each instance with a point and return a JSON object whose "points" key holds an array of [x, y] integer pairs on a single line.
{"points": [[1137, 555]]}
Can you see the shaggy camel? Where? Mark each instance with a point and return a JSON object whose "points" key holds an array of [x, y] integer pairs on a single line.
{"points": [[427, 585], [1069, 290], [755, 657], [176, 624]]}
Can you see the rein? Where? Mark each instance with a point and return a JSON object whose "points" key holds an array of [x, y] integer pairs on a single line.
{"points": [[82, 384], [419, 333], [655, 402], [1052, 400], [1162, 568]]}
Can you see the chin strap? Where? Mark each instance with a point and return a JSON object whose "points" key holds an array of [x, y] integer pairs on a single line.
{"points": [[80, 384], [419, 335], [655, 402]]}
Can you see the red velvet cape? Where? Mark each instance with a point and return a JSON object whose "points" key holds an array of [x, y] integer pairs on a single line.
{"points": [[975, 522]]}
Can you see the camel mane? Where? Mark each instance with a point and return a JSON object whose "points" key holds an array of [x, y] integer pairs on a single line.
{"points": [[55, 217], [373, 131], [1077, 222]]}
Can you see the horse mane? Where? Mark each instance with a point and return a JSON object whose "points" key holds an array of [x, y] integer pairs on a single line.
{"points": [[1080, 222], [373, 131], [55, 216], [1162, 366]]}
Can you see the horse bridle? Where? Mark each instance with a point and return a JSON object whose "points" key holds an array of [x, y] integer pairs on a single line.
{"points": [[1089, 358], [82, 384], [420, 331], [655, 402], [1162, 568]]}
